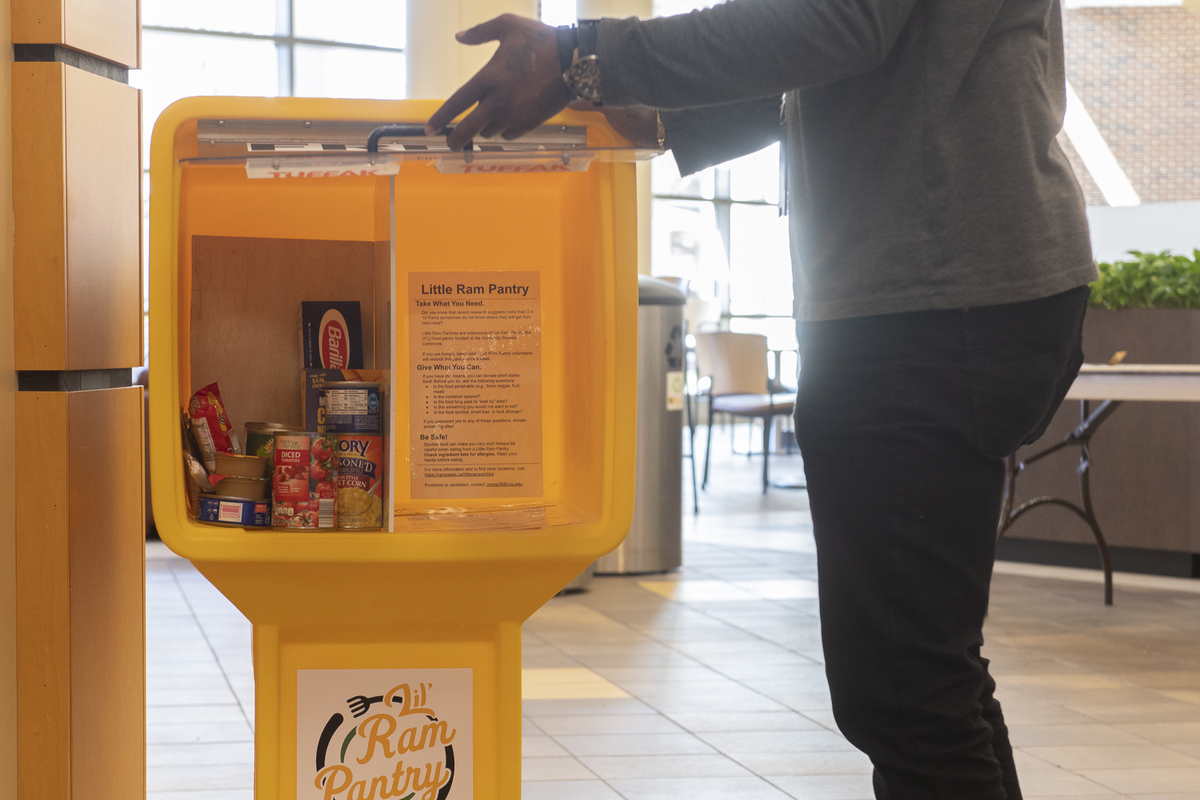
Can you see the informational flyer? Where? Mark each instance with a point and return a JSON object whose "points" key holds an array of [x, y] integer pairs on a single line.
{"points": [[475, 396]]}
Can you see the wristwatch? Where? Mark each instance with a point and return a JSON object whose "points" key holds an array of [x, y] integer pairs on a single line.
{"points": [[577, 56]]}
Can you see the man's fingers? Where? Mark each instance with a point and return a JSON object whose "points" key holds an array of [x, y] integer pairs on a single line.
{"points": [[488, 31], [493, 128], [500, 87], [466, 130], [517, 131], [466, 96]]}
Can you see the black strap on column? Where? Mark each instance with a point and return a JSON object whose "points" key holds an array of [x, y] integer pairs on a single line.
{"points": [[72, 58], [73, 380]]}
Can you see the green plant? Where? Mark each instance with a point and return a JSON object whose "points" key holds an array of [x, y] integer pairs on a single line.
{"points": [[1153, 280]]}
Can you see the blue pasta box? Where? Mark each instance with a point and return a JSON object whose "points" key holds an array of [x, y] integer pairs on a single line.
{"points": [[331, 335]]}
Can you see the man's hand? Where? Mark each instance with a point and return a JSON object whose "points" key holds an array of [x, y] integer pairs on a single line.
{"points": [[519, 89]]}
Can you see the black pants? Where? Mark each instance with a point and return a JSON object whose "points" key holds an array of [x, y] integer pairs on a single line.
{"points": [[904, 422]]}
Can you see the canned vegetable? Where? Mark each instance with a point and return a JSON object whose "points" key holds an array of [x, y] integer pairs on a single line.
{"points": [[359, 481], [304, 481]]}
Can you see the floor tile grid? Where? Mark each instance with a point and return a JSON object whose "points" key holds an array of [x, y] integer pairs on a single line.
{"points": [[1174, 770], [1112, 649], [809, 756], [1128, 664], [1076, 692], [1121, 724], [200, 736]]}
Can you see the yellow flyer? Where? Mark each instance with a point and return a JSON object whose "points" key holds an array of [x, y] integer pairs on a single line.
{"points": [[475, 397]]}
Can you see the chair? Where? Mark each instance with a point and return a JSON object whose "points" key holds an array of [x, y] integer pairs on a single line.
{"points": [[736, 366]]}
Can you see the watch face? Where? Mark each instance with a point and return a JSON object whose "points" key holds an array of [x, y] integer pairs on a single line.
{"points": [[583, 79]]}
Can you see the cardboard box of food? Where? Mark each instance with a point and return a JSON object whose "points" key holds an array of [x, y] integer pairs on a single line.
{"points": [[331, 335]]}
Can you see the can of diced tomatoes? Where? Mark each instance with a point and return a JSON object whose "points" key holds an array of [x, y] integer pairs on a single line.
{"points": [[304, 484], [359, 481]]}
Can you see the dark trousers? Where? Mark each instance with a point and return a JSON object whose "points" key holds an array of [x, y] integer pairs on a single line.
{"points": [[904, 422]]}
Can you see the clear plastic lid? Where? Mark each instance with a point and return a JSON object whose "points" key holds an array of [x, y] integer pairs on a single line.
{"points": [[272, 148]]}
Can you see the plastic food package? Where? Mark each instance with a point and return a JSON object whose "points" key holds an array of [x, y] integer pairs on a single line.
{"points": [[210, 425]]}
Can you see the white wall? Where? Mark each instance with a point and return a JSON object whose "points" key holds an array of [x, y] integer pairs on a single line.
{"points": [[437, 64], [594, 9], [1149, 227]]}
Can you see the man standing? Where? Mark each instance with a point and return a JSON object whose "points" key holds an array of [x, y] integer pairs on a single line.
{"points": [[940, 255]]}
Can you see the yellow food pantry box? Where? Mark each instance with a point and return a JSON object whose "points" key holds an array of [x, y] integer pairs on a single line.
{"points": [[497, 291]]}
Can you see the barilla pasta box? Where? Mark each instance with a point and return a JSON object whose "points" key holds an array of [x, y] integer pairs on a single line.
{"points": [[312, 390], [331, 335]]}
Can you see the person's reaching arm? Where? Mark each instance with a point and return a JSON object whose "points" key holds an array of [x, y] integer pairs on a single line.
{"points": [[735, 51], [699, 137], [744, 48]]}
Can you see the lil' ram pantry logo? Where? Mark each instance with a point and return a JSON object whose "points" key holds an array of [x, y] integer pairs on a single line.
{"points": [[383, 734]]}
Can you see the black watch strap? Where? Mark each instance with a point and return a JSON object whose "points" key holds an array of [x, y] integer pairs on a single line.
{"points": [[589, 37], [568, 40]]}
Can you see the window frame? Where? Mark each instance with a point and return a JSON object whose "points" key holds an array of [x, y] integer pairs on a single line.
{"points": [[284, 39], [285, 47]]}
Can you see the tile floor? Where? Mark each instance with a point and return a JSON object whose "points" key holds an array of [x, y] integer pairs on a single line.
{"points": [[708, 682]]}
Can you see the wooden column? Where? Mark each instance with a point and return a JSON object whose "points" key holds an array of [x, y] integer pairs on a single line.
{"points": [[79, 481], [8, 450]]}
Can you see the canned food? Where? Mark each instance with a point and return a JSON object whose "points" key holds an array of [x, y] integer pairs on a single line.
{"points": [[218, 510], [352, 407], [260, 438], [245, 488], [242, 466], [359, 481], [304, 481]]}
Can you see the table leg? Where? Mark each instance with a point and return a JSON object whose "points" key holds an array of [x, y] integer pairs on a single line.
{"points": [[1081, 435], [1089, 515]]}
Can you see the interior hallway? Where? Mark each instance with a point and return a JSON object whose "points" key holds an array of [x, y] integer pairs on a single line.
{"points": [[708, 682]]}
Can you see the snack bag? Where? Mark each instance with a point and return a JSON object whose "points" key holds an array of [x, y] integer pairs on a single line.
{"points": [[210, 424]]}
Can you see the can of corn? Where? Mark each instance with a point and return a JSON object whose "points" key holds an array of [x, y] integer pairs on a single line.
{"points": [[359, 481]]}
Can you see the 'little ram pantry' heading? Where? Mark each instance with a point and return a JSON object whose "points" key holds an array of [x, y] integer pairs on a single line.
{"points": [[464, 288]]}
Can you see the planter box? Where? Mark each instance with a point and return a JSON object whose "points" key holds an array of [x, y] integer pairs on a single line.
{"points": [[1145, 458]]}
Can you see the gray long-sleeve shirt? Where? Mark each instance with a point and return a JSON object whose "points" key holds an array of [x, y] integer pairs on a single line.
{"points": [[924, 171]]}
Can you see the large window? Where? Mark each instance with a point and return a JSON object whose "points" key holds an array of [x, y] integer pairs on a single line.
{"points": [[720, 229], [266, 48], [269, 48]]}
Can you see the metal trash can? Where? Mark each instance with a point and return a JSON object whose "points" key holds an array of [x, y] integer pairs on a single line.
{"points": [[655, 540]]}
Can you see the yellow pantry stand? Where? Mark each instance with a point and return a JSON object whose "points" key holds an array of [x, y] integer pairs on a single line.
{"points": [[498, 292]]}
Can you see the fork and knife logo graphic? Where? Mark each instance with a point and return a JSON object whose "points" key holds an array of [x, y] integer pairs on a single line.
{"points": [[403, 725]]}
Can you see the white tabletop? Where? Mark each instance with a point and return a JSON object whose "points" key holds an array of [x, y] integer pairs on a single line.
{"points": [[1154, 382]]}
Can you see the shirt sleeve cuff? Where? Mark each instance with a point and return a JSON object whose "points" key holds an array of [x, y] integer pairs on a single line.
{"points": [[613, 86]]}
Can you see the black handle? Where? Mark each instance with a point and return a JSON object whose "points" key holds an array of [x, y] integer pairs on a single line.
{"points": [[404, 129]]}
